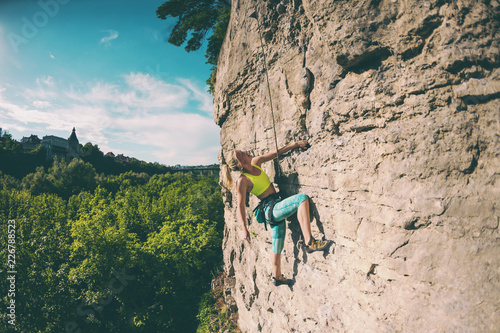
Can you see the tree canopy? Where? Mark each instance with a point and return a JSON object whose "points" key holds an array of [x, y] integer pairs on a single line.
{"points": [[109, 253], [195, 20]]}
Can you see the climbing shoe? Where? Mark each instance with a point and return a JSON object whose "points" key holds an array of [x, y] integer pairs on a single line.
{"points": [[316, 245], [282, 281]]}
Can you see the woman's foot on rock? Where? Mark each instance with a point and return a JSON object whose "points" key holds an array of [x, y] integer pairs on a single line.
{"points": [[282, 281]]}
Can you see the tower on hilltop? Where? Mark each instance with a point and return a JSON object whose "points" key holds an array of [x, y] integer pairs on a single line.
{"points": [[73, 145]]}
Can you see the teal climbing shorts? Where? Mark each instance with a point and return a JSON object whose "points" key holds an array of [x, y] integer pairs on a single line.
{"points": [[283, 209]]}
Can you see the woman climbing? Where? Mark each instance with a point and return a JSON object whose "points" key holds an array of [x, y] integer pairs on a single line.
{"points": [[254, 180]]}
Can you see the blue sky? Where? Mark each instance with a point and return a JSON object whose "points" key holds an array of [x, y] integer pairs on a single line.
{"points": [[105, 68]]}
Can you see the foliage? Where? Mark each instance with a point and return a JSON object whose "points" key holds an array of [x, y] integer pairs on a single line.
{"points": [[107, 164], [15, 161], [196, 19], [62, 179], [110, 253], [8, 144], [213, 314]]}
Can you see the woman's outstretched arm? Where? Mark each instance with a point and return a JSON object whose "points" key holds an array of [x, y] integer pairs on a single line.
{"points": [[258, 160]]}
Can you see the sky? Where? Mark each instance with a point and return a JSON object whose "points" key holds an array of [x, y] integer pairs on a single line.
{"points": [[105, 67]]}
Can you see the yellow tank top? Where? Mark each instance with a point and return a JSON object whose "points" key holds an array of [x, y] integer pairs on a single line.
{"points": [[260, 182]]}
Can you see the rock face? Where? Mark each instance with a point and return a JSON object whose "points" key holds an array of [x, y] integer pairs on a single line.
{"points": [[399, 100]]}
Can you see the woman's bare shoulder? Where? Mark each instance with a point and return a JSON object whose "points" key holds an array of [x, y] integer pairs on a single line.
{"points": [[243, 183]]}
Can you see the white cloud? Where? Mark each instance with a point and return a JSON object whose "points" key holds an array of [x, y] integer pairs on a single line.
{"points": [[202, 96], [12, 126], [46, 80], [21, 113], [93, 93], [148, 92], [111, 35], [42, 104], [177, 137], [41, 93], [141, 111], [92, 119], [52, 56]]}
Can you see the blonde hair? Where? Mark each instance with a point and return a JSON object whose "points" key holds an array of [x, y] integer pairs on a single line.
{"points": [[232, 164]]}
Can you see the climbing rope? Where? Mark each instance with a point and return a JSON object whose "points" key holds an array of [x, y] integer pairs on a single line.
{"points": [[256, 16]]}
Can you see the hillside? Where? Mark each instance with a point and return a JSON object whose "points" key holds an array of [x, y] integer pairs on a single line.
{"points": [[19, 160]]}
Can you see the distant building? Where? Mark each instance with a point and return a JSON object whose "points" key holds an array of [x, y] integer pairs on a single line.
{"points": [[31, 142], [121, 157], [73, 145], [57, 146]]}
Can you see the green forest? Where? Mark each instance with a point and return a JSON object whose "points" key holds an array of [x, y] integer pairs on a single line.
{"points": [[88, 251]]}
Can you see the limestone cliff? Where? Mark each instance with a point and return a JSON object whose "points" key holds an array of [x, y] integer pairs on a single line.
{"points": [[400, 102]]}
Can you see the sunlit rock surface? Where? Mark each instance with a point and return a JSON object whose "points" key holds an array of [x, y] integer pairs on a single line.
{"points": [[400, 103]]}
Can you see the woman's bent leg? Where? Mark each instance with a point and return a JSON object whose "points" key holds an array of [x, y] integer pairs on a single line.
{"points": [[304, 217], [300, 203], [297, 203]]}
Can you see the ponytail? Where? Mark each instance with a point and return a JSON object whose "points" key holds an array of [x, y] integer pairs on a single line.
{"points": [[227, 180], [232, 164]]}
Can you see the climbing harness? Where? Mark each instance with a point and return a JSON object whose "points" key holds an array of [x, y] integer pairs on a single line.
{"points": [[260, 210]]}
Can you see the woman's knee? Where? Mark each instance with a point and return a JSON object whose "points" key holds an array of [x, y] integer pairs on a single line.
{"points": [[302, 197]]}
